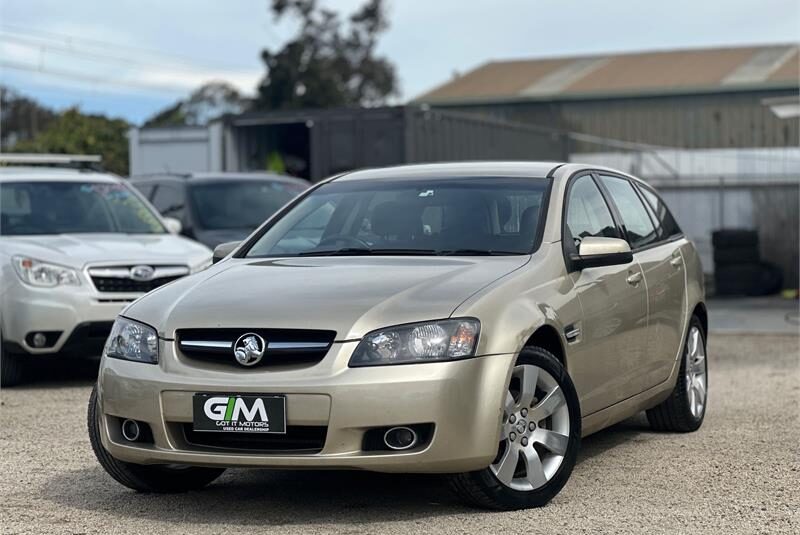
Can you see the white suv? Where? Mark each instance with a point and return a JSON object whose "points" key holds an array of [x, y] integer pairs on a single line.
{"points": [[76, 246]]}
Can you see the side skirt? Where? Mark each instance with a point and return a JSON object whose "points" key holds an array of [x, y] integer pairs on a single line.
{"points": [[628, 407]]}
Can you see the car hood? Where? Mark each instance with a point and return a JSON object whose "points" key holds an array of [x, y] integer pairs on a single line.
{"points": [[350, 295], [79, 250]]}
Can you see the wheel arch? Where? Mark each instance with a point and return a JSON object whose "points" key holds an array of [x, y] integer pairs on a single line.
{"points": [[546, 336], [701, 312]]}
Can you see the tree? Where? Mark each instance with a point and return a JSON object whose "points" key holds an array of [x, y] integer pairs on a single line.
{"points": [[75, 133], [329, 63], [20, 118], [204, 104]]}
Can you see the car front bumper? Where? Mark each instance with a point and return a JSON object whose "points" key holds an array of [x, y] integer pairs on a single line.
{"points": [[462, 399], [78, 317]]}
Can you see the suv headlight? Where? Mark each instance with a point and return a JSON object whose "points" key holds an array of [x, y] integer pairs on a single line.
{"points": [[431, 341], [131, 340], [44, 274]]}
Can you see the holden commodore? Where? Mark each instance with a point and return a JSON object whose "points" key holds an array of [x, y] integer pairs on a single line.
{"points": [[474, 320]]}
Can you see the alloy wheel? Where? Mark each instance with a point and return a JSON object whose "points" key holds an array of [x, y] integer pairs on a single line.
{"points": [[535, 430], [696, 384]]}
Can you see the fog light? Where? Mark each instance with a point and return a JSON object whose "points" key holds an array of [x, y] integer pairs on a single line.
{"points": [[39, 340], [130, 430], [400, 438]]}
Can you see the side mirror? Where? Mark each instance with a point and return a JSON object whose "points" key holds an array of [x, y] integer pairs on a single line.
{"points": [[173, 225], [224, 249], [598, 252]]}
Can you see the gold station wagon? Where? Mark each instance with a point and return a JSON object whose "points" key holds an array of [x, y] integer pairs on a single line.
{"points": [[472, 319]]}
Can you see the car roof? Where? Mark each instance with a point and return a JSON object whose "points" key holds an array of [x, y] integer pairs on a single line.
{"points": [[569, 169], [51, 174], [455, 170]]}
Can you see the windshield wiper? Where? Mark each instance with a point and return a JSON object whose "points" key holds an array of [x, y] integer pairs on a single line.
{"points": [[358, 251], [475, 252], [355, 251], [338, 252], [422, 252]]}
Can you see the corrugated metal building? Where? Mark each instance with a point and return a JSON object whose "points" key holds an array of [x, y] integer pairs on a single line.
{"points": [[317, 143], [703, 98], [729, 113]]}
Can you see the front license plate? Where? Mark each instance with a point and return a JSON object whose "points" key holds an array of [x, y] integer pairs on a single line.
{"points": [[233, 413]]}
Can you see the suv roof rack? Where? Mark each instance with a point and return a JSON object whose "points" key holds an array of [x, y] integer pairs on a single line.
{"points": [[76, 161], [171, 174]]}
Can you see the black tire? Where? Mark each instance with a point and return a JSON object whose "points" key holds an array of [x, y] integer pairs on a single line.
{"points": [[674, 413], [729, 238], [736, 255], [146, 478], [748, 279], [483, 489], [770, 280], [12, 367]]}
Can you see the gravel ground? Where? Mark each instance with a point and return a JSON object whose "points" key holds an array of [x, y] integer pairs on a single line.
{"points": [[739, 474]]}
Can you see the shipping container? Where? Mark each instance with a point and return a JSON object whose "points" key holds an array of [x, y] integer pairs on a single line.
{"points": [[314, 144]]}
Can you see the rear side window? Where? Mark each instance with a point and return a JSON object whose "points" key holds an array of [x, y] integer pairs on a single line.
{"points": [[588, 213], [667, 226], [635, 218]]}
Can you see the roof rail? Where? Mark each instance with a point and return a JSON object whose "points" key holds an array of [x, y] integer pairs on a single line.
{"points": [[174, 174], [79, 161]]}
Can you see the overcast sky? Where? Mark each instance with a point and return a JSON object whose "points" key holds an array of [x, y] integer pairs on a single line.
{"points": [[129, 58]]}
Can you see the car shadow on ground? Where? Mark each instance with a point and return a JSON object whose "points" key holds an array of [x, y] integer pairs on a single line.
{"points": [[59, 373], [284, 498]]}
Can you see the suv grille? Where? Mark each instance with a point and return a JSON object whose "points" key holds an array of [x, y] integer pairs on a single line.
{"points": [[284, 346], [298, 438], [134, 278]]}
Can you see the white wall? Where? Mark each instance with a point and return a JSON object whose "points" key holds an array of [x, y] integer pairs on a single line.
{"points": [[698, 162], [177, 150]]}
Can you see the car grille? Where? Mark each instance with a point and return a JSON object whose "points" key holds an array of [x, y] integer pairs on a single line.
{"points": [[129, 279], [297, 439], [284, 346]]}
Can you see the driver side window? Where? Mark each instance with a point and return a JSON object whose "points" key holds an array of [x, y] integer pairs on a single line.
{"points": [[587, 213]]}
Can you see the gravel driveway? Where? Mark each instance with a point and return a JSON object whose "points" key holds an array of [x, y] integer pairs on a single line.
{"points": [[739, 474]]}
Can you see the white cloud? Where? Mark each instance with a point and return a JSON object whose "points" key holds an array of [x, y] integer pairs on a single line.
{"points": [[191, 42]]}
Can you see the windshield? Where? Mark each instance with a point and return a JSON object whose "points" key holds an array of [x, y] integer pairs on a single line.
{"points": [[29, 208], [469, 216], [231, 204]]}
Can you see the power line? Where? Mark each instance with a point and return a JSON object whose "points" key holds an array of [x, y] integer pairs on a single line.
{"points": [[89, 79], [105, 45], [95, 56]]}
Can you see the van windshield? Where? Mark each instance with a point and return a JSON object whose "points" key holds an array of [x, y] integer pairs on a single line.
{"points": [[33, 208], [453, 216], [230, 204]]}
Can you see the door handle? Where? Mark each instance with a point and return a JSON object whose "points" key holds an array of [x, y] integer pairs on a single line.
{"points": [[634, 279], [676, 262]]}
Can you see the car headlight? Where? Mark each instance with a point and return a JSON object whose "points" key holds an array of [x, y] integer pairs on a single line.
{"points": [[44, 274], [131, 340], [432, 341]]}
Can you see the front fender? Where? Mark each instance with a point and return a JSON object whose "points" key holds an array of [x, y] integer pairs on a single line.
{"points": [[516, 306]]}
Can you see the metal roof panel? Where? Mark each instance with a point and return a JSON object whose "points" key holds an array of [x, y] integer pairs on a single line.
{"points": [[693, 70]]}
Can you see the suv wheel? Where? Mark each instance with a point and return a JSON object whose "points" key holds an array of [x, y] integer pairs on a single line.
{"points": [[12, 367], [146, 478], [685, 408], [539, 439]]}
